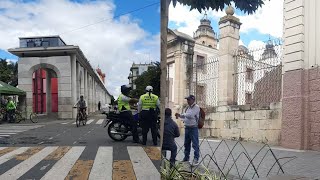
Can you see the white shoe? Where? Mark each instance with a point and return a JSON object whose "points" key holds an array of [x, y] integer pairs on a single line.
{"points": [[195, 162]]}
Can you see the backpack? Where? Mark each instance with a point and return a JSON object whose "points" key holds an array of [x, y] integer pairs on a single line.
{"points": [[202, 117]]}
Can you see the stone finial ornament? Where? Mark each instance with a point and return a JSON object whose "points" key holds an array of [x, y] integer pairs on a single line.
{"points": [[230, 10]]}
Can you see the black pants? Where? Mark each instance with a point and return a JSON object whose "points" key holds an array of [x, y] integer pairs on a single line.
{"points": [[173, 150], [126, 116], [149, 120], [10, 115]]}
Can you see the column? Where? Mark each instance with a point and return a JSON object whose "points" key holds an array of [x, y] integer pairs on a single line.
{"points": [[78, 80], [82, 81], [48, 92], [85, 84], [74, 83], [229, 27]]}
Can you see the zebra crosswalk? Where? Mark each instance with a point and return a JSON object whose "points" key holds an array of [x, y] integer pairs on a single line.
{"points": [[90, 121], [9, 130], [68, 162]]}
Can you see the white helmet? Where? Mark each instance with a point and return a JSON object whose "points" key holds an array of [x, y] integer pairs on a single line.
{"points": [[149, 88]]}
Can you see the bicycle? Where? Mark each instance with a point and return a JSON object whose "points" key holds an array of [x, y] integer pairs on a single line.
{"points": [[18, 117], [81, 118]]}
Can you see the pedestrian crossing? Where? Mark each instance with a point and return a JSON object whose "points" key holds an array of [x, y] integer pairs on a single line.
{"points": [[9, 130], [68, 162], [89, 121]]}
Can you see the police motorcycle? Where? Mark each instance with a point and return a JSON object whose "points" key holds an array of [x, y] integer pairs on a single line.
{"points": [[119, 129]]}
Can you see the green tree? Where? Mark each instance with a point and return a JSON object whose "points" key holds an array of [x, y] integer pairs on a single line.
{"points": [[151, 77], [9, 72], [248, 6]]}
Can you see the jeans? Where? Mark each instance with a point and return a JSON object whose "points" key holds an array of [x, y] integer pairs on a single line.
{"points": [[191, 135]]}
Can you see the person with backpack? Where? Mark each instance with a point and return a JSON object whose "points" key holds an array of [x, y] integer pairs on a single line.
{"points": [[191, 119]]}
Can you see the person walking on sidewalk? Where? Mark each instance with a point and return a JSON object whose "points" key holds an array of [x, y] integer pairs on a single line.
{"points": [[148, 117], [99, 105], [190, 119], [125, 111], [11, 107], [171, 131]]}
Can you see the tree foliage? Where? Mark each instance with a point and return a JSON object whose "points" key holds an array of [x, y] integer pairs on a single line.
{"points": [[247, 6], [151, 77], [8, 72]]}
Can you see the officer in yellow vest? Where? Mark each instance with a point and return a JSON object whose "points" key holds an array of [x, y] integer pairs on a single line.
{"points": [[125, 111], [148, 118]]}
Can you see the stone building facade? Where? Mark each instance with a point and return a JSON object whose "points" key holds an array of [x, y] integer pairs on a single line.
{"points": [[67, 63]]}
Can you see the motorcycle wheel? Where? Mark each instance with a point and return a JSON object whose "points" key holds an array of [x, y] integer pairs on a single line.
{"points": [[118, 127]]}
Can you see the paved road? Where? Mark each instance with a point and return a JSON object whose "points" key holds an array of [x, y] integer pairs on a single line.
{"points": [[60, 150], [305, 164]]}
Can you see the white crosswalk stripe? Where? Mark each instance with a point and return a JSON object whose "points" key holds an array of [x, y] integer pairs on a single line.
{"points": [[100, 121], [8, 130], [91, 121], [17, 171], [101, 168]]}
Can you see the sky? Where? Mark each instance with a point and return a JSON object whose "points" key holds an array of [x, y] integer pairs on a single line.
{"points": [[113, 44], [256, 29]]}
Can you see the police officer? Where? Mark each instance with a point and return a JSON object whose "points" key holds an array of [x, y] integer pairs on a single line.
{"points": [[125, 111], [148, 117]]}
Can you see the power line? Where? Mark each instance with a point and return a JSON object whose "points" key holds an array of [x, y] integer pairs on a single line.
{"points": [[135, 10]]}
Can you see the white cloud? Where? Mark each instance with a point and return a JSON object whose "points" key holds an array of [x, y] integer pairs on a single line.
{"points": [[111, 44], [266, 20]]}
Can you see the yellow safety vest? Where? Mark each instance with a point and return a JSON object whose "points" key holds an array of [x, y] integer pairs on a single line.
{"points": [[121, 103], [149, 101]]}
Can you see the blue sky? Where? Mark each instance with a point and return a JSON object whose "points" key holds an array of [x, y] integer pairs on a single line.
{"points": [[113, 44], [148, 18]]}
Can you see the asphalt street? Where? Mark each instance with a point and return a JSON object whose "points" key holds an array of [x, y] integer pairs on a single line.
{"points": [[57, 149]]}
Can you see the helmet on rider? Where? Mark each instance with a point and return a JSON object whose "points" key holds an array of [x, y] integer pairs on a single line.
{"points": [[81, 97], [149, 88], [125, 89]]}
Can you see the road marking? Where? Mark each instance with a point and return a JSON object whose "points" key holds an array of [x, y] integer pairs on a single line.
{"points": [[285, 149], [80, 169], [74, 142], [5, 150], [10, 155], [90, 121], [61, 169], [7, 133], [102, 167], [4, 135], [44, 167], [74, 123], [142, 165], [1, 148], [20, 169], [100, 121], [122, 170], [64, 123], [51, 138]]}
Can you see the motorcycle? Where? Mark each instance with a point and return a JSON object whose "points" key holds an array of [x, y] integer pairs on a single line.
{"points": [[119, 130]]}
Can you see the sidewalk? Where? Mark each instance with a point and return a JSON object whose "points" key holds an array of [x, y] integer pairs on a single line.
{"points": [[296, 164]]}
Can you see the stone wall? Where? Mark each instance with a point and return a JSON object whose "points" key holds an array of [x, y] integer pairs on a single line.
{"points": [[244, 123]]}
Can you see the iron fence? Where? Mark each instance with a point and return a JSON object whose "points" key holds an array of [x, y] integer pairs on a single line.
{"points": [[204, 84], [257, 75]]}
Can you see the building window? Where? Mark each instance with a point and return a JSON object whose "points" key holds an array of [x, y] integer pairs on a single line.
{"points": [[248, 98], [249, 74], [200, 62]]}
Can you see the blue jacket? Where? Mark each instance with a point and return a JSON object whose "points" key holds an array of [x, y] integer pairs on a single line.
{"points": [[171, 131]]}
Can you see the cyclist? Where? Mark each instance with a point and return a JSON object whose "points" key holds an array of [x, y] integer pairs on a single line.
{"points": [[82, 106], [11, 108]]}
